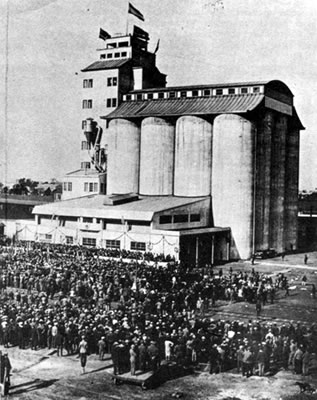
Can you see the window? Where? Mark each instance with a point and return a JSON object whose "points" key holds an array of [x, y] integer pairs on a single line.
{"points": [[116, 55], [111, 45], [89, 241], [86, 187], [102, 188], [194, 218], [102, 56], [88, 83], [123, 44], [139, 246], [87, 103], [112, 81], [124, 54], [128, 97], [183, 94], [195, 93], [161, 95], [180, 218], [150, 96], [83, 124], [219, 92], [172, 95], [109, 55], [207, 92], [232, 91], [96, 187], [69, 240], [139, 96], [85, 165], [111, 103], [91, 187], [244, 90], [165, 219], [85, 145], [65, 186], [70, 186], [256, 89], [112, 244], [48, 236], [87, 220]]}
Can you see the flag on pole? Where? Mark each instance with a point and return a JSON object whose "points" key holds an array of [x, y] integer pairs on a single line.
{"points": [[140, 33], [157, 46], [104, 35], [132, 10]]}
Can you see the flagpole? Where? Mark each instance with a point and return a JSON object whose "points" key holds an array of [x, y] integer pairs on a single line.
{"points": [[127, 26]]}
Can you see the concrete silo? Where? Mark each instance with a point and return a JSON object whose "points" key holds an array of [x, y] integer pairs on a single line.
{"points": [[123, 157], [193, 147], [157, 157], [278, 183], [291, 189], [233, 180], [263, 180]]}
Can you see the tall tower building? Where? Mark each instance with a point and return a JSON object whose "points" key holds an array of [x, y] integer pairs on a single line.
{"points": [[124, 64]]}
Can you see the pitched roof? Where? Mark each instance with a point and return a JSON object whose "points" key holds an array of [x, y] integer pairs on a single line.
{"points": [[187, 106], [105, 64]]}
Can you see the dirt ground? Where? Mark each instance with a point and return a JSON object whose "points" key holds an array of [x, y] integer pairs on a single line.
{"points": [[42, 375]]}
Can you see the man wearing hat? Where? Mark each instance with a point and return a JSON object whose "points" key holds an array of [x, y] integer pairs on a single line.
{"points": [[153, 352], [101, 347]]}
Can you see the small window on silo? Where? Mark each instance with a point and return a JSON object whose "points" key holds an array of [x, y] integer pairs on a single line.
{"points": [[256, 89], [183, 94], [109, 55], [139, 96], [244, 90], [102, 56], [150, 96], [219, 92], [195, 93], [232, 91], [207, 92], [161, 95], [172, 95]]}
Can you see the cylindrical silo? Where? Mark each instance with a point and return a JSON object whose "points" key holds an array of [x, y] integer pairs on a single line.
{"points": [[157, 157], [263, 180], [123, 157], [278, 183], [233, 180], [291, 189], [192, 157]]}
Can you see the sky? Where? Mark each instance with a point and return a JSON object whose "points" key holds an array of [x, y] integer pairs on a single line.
{"points": [[201, 42]]}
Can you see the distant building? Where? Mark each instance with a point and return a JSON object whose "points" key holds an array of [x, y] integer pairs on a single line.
{"points": [[201, 172]]}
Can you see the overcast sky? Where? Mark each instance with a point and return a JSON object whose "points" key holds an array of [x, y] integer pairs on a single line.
{"points": [[51, 40]]}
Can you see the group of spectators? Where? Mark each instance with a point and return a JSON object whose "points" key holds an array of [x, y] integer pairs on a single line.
{"points": [[56, 297]]}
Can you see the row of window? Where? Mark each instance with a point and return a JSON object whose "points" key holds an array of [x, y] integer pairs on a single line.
{"points": [[191, 93], [113, 55], [67, 186], [179, 218], [114, 244], [90, 187], [88, 104], [111, 81]]}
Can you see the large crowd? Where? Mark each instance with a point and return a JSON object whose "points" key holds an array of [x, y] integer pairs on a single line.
{"points": [[57, 296]]}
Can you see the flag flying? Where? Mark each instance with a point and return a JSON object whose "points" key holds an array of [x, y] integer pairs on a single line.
{"points": [[104, 35], [132, 10], [140, 33], [157, 46]]}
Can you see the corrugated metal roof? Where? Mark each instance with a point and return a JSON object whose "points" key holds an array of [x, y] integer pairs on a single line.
{"points": [[106, 64], [187, 106], [204, 86]]}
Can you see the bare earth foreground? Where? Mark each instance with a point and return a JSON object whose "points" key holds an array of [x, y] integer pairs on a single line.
{"points": [[43, 375]]}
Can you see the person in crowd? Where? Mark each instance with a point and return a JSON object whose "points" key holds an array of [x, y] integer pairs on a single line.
{"points": [[83, 347], [133, 356]]}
